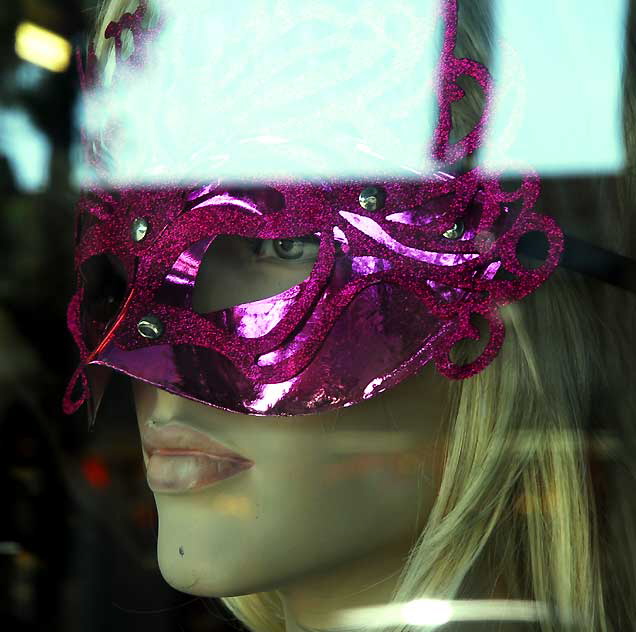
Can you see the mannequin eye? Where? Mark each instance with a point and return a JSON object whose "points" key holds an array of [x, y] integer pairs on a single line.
{"points": [[291, 248], [237, 270], [302, 249]]}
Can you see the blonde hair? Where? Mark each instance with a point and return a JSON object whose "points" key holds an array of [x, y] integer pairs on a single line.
{"points": [[540, 462]]}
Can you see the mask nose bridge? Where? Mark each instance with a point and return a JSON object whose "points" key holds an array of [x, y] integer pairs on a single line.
{"points": [[112, 401], [98, 378]]}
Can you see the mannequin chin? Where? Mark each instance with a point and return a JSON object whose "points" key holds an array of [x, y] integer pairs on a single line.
{"points": [[327, 514]]}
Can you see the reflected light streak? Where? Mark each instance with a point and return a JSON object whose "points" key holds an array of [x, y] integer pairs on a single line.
{"points": [[436, 612], [226, 198], [270, 394]]}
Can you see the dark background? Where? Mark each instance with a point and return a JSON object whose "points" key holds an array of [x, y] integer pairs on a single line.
{"points": [[78, 522]]}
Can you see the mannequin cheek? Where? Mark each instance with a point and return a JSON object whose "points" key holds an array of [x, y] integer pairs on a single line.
{"points": [[401, 466], [407, 465]]}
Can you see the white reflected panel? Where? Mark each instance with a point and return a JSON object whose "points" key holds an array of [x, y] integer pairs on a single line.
{"points": [[277, 87], [557, 67], [27, 149]]}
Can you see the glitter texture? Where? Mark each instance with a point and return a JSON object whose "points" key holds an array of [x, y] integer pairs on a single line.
{"points": [[387, 293]]}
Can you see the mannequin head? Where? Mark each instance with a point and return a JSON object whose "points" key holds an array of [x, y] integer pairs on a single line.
{"points": [[435, 488]]}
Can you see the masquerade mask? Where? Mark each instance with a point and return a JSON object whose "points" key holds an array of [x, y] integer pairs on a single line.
{"points": [[292, 297]]}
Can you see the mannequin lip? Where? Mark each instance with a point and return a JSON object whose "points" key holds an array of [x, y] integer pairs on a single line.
{"points": [[178, 438]]}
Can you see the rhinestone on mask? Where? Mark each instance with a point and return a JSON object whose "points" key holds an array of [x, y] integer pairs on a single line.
{"points": [[372, 198], [150, 327], [139, 229], [456, 231]]}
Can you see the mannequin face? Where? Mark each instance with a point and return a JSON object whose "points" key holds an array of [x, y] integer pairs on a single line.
{"points": [[334, 501], [329, 508]]}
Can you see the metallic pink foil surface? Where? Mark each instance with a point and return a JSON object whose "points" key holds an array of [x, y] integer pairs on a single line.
{"points": [[394, 295]]}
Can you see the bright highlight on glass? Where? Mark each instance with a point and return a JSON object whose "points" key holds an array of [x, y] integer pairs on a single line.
{"points": [[42, 47], [438, 612], [427, 612]]}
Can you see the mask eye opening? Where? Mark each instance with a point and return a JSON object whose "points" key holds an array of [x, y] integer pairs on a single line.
{"points": [[105, 282]]}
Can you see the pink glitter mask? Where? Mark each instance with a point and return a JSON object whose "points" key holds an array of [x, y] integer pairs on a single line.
{"points": [[386, 276]]}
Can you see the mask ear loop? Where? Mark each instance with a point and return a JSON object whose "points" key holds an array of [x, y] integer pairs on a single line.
{"points": [[68, 405], [73, 318], [99, 378]]}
